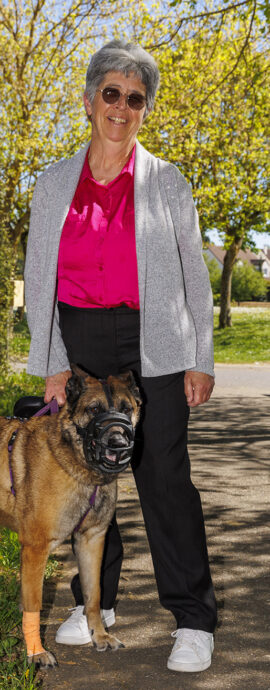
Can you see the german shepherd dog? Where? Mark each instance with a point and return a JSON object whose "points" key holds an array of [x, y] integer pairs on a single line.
{"points": [[59, 465]]}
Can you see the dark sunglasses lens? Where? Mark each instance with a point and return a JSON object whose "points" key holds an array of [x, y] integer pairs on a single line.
{"points": [[110, 95], [135, 101]]}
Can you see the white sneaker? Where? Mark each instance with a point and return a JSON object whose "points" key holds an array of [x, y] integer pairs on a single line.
{"points": [[192, 650], [75, 629]]}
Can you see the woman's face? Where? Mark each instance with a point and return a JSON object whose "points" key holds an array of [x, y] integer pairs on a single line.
{"points": [[116, 122]]}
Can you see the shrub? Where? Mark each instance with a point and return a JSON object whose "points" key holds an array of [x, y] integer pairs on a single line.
{"points": [[247, 283]]}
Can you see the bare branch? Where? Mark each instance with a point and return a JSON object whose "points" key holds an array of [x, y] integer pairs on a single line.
{"points": [[195, 17], [240, 55]]}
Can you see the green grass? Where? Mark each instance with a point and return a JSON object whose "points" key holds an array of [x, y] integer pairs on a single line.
{"points": [[20, 342], [15, 386], [246, 341]]}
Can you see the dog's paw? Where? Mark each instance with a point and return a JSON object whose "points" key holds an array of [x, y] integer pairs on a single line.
{"points": [[102, 642], [43, 659]]}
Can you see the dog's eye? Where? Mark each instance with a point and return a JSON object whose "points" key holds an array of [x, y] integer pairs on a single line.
{"points": [[93, 409], [125, 408]]}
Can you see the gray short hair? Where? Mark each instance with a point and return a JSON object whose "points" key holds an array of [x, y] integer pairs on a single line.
{"points": [[118, 56]]}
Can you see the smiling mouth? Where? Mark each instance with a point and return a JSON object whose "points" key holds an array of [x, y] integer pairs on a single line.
{"points": [[118, 120]]}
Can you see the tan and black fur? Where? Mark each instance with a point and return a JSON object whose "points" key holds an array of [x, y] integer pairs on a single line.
{"points": [[53, 484]]}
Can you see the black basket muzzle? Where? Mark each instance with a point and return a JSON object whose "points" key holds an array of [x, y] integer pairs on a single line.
{"points": [[108, 441]]}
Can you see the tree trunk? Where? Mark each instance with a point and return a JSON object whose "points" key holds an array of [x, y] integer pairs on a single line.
{"points": [[226, 285]]}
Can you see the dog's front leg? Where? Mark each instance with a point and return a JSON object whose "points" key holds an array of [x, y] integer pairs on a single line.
{"points": [[89, 551], [33, 562]]}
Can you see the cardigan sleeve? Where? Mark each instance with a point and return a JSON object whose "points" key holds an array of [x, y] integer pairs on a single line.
{"points": [[198, 292], [47, 354], [196, 279]]}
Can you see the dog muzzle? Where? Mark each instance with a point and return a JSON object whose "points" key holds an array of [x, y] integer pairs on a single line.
{"points": [[108, 441]]}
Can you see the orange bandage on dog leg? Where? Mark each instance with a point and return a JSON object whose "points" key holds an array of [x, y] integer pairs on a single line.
{"points": [[31, 631]]}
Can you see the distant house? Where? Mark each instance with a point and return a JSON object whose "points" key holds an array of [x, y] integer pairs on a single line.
{"points": [[264, 256], [18, 300], [260, 261]]}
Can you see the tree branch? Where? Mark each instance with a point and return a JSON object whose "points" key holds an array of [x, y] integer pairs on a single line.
{"points": [[195, 17], [231, 71]]}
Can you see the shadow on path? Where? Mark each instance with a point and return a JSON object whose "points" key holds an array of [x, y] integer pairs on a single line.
{"points": [[229, 450]]}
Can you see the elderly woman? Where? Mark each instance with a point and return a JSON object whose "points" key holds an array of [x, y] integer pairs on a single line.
{"points": [[115, 280]]}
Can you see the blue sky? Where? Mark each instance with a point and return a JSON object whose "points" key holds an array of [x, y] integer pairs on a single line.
{"points": [[261, 238]]}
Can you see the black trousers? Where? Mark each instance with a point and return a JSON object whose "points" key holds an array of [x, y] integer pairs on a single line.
{"points": [[106, 341]]}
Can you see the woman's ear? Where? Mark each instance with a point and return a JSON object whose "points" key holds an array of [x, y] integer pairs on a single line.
{"points": [[87, 105]]}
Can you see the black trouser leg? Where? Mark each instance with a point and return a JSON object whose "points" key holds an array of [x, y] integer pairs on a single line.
{"points": [[89, 336], [171, 506]]}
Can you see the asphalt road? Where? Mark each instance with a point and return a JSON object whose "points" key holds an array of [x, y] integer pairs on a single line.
{"points": [[251, 380]]}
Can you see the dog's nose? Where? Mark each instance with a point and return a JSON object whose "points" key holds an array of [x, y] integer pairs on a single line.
{"points": [[117, 440]]}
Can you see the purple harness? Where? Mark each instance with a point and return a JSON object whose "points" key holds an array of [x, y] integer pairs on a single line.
{"points": [[91, 504], [53, 407]]}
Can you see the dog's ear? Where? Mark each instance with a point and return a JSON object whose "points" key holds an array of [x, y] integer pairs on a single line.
{"points": [[78, 371], [129, 380], [74, 388]]}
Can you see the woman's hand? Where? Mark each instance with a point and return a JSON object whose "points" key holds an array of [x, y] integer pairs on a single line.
{"points": [[198, 387], [55, 387]]}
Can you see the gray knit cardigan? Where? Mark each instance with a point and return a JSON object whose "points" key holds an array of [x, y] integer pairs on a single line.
{"points": [[176, 319]]}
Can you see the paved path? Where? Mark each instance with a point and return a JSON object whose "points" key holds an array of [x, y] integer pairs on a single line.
{"points": [[247, 380], [229, 449]]}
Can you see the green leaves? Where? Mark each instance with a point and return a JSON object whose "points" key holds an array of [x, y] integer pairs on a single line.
{"points": [[210, 119], [247, 283]]}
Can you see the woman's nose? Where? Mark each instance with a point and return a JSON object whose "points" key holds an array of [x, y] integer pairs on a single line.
{"points": [[122, 102]]}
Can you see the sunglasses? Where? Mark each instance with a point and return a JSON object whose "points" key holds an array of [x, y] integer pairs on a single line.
{"points": [[111, 95]]}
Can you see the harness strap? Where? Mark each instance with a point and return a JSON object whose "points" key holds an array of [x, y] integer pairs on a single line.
{"points": [[91, 504], [53, 407]]}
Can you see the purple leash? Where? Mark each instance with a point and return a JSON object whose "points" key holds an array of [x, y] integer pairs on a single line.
{"points": [[53, 407], [91, 504]]}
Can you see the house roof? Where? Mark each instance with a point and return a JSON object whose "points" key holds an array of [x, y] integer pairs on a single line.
{"points": [[265, 252], [247, 255]]}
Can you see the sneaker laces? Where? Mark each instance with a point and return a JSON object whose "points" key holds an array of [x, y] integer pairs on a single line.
{"points": [[183, 635], [195, 639]]}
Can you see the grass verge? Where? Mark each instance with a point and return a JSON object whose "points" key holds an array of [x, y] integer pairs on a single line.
{"points": [[20, 342], [246, 341]]}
